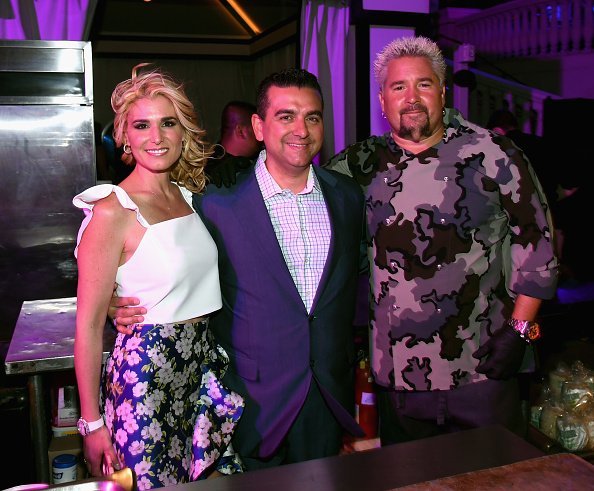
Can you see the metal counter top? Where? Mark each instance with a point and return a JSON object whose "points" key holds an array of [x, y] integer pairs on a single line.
{"points": [[43, 337], [43, 341]]}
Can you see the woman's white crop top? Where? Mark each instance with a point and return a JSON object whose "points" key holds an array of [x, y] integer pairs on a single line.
{"points": [[174, 271]]}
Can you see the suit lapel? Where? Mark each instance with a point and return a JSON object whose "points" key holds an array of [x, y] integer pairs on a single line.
{"points": [[335, 206], [253, 218]]}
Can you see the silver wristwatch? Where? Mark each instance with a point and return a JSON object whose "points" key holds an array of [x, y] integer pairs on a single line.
{"points": [[86, 427]]}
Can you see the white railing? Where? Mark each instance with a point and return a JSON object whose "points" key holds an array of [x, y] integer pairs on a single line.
{"points": [[535, 28]]}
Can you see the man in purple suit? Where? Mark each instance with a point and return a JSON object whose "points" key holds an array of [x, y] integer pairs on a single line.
{"points": [[289, 237]]}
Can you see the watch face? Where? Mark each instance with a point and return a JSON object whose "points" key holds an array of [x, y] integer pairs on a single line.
{"points": [[83, 429], [533, 332]]}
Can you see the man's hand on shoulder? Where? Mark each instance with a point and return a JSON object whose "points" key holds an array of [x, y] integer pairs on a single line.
{"points": [[124, 314]]}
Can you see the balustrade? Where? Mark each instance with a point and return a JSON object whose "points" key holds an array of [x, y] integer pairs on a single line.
{"points": [[544, 28]]}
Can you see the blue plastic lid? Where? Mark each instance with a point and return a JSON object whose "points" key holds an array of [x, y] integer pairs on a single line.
{"points": [[65, 460]]}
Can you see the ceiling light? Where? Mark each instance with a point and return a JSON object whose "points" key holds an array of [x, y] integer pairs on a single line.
{"points": [[234, 5]]}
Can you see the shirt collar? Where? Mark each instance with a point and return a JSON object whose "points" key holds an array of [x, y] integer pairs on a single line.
{"points": [[270, 187]]}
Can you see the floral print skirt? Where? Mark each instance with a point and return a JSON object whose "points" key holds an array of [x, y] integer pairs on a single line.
{"points": [[169, 415]]}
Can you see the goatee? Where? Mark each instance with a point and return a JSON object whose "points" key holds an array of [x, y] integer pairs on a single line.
{"points": [[414, 133]]}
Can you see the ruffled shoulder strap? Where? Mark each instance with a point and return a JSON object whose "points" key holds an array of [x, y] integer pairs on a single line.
{"points": [[187, 194], [86, 201]]}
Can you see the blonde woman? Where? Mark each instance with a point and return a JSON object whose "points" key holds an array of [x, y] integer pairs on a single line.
{"points": [[159, 407]]}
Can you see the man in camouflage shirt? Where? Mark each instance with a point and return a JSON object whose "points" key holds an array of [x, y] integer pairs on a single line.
{"points": [[459, 244]]}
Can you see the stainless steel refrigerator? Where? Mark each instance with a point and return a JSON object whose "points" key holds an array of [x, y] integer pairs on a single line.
{"points": [[47, 155]]}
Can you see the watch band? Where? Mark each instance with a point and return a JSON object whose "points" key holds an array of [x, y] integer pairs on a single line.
{"points": [[86, 427], [529, 331]]}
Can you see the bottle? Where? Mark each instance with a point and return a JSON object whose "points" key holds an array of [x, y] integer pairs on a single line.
{"points": [[365, 398], [64, 468]]}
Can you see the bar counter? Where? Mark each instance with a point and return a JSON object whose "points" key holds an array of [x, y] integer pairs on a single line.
{"points": [[43, 342], [560, 471], [385, 468]]}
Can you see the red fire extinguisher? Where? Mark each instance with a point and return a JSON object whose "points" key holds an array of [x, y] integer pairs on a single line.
{"points": [[365, 398]]}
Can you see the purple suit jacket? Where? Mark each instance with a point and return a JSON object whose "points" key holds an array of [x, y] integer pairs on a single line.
{"points": [[276, 348]]}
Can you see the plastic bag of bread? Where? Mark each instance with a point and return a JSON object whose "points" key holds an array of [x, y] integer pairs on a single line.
{"points": [[556, 378], [572, 432], [549, 415]]}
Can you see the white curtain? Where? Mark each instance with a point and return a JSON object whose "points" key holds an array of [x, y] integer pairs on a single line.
{"points": [[324, 30], [47, 20]]}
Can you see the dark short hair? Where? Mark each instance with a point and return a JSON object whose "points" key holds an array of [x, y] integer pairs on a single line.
{"points": [[236, 112], [289, 77]]}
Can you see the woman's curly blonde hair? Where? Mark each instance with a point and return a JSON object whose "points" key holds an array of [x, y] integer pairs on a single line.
{"points": [[189, 169]]}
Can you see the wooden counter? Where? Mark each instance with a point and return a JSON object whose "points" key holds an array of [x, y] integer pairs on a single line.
{"points": [[560, 471]]}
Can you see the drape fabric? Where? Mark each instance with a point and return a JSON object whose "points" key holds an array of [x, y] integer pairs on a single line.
{"points": [[47, 20], [324, 30]]}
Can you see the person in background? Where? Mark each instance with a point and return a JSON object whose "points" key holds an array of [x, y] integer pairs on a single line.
{"points": [[289, 237], [556, 185], [237, 134], [573, 247], [460, 250], [237, 143], [101, 163], [159, 407], [114, 155]]}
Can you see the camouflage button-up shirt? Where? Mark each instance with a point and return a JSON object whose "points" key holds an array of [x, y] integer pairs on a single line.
{"points": [[453, 234]]}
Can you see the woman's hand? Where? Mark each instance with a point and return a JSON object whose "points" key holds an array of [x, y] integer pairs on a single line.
{"points": [[100, 457]]}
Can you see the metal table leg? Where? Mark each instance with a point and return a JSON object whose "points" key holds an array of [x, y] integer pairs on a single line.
{"points": [[39, 431]]}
